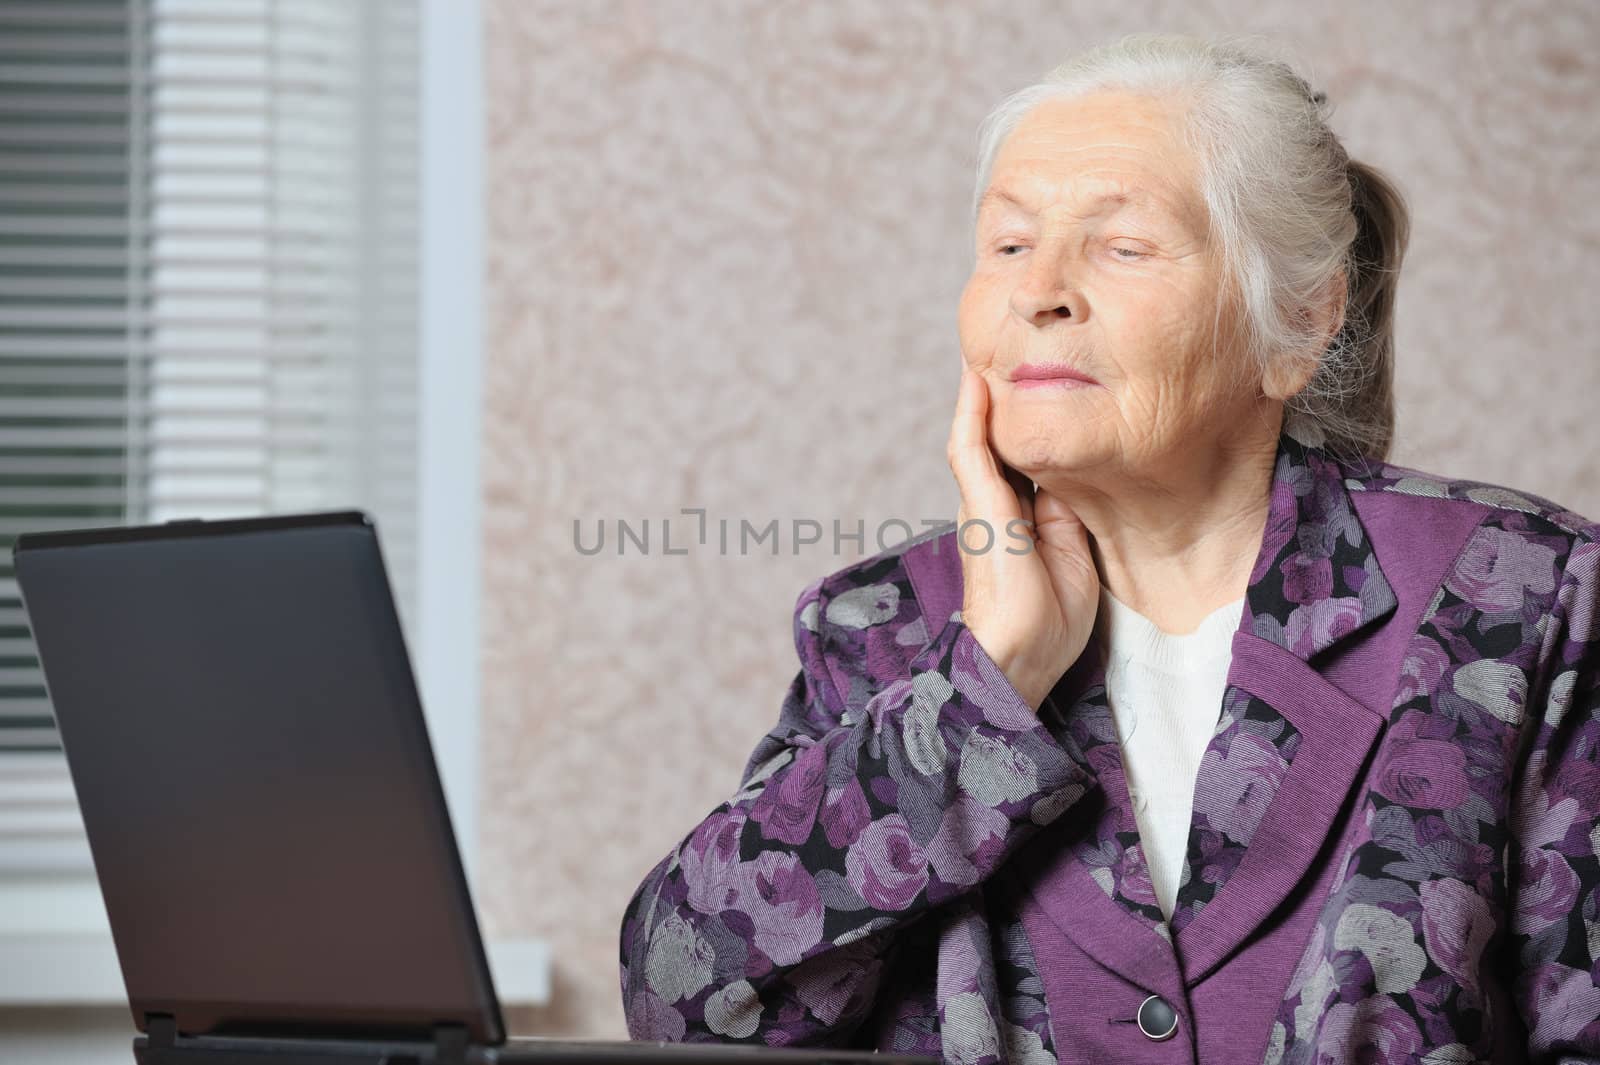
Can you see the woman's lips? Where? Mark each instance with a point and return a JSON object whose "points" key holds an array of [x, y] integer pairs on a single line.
{"points": [[1049, 375], [1053, 382]]}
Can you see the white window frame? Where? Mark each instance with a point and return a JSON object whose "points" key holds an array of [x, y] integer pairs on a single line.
{"points": [[451, 254]]}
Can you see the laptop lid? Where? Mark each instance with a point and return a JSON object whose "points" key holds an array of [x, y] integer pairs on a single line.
{"points": [[247, 744]]}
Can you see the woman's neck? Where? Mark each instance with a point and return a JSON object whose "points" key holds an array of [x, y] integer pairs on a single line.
{"points": [[1177, 549]]}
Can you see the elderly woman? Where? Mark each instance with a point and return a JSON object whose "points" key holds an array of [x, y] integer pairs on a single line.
{"points": [[1205, 734]]}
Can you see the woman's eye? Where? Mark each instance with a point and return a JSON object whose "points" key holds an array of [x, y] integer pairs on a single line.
{"points": [[1126, 254]]}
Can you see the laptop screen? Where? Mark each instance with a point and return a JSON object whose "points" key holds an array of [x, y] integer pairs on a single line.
{"points": [[249, 752]]}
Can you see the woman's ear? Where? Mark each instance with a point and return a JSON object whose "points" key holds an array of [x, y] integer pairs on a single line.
{"points": [[1331, 310], [1292, 371], [1288, 374]]}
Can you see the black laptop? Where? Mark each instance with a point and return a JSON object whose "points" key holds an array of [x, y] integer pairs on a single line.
{"points": [[248, 748]]}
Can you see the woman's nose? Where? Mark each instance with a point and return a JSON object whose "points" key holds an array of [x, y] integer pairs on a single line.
{"points": [[1046, 293]]}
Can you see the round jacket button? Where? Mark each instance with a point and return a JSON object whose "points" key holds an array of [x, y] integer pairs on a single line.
{"points": [[1157, 1019]]}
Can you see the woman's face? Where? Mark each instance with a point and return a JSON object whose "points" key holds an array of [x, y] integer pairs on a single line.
{"points": [[1124, 290]]}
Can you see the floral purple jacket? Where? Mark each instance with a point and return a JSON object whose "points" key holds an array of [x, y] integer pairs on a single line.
{"points": [[1394, 853]]}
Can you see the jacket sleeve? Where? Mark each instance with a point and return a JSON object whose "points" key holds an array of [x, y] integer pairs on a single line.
{"points": [[1554, 865], [774, 920]]}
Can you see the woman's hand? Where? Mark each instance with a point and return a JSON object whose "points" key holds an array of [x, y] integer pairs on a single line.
{"points": [[1033, 611]]}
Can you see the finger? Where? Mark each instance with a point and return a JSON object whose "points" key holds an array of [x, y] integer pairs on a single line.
{"points": [[1022, 485], [1050, 508], [966, 427], [976, 470], [1057, 524]]}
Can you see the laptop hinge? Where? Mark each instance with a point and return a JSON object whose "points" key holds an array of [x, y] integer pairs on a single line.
{"points": [[450, 1044], [161, 1030], [449, 1040]]}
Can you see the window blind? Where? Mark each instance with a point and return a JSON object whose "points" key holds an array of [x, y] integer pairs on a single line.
{"points": [[208, 291]]}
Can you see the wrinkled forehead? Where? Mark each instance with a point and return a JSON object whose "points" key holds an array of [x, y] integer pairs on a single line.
{"points": [[1094, 155], [1086, 195]]}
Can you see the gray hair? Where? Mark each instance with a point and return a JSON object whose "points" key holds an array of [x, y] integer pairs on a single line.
{"points": [[1288, 209]]}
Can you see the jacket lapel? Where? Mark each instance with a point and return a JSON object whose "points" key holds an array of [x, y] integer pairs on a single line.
{"points": [[1289, 744]]}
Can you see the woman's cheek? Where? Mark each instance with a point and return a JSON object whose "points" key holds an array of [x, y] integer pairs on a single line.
{"points": [[977, 345]]}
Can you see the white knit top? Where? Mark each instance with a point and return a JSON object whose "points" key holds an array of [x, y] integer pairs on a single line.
{"points": [[1165, 693]]}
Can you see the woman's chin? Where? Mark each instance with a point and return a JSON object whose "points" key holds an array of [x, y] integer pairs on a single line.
{"points": [[1034, 453]]}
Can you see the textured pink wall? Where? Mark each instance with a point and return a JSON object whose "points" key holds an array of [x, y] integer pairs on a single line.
{"points": [[726, 241]]}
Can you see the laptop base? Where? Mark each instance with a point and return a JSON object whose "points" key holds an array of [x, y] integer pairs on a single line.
{"points": [[164, 1046]]}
